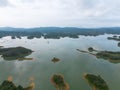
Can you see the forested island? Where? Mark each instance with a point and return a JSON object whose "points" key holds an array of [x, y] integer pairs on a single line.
{"points": [[9, 85], [118, 44], [55, 60], [58, 81], [96, 82], [116, 38], [55, 32], [14, 53]]}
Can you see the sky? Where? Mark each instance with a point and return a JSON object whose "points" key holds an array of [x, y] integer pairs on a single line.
{"points": [[60, 13]]}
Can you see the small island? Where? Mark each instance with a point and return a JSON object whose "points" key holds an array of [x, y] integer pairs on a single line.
{"points": [[111, 56], [13, 37], [9, 85], [119, 44], [1, 46], [55, 60], [90, 49], [96, 82], [59, 82], [116, 38], [14, 53]]}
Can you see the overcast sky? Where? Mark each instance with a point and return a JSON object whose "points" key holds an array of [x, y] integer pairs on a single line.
{"points": [[62, 13]]}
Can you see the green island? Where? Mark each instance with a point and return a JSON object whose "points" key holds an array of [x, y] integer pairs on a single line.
{"points": [[91, 49], [116, 38], [96, 82], [111, 56], [55, 60], [14, 53], [9, 85], [58, 81], [1, 46], [119, 44]]}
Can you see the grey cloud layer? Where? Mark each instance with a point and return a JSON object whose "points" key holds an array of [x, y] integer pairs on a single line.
{"points": [[60, 12], [4, 3]]}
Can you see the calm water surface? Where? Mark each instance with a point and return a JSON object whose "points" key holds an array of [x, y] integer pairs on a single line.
{"points": [[73, 64]]}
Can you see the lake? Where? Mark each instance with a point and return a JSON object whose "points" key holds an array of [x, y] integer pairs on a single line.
{"points": [[72, 64]]}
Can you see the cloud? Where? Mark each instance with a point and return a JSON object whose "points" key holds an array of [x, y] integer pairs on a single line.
{"points": [[78, 13], [4, 3]]}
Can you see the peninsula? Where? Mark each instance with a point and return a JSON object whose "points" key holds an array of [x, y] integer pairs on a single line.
{"points": [[111, 56]]}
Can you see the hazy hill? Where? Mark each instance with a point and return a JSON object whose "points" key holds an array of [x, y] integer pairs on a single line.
{"points": [[57, 32]]}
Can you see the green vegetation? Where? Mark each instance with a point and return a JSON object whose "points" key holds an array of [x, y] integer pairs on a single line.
{"points": [[59, 83], [18, 37], [55, 32], [14, 53], [13, 37], [96, 82], [116, 38], [119, 44], [9, 85], [109, 55], [55, 60], [113, 57], [90, 49]]}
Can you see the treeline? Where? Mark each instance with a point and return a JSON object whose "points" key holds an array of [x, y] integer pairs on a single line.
{"points": [[56, 32]]}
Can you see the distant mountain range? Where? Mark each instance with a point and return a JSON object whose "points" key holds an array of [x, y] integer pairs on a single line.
{"points": [[57, 28], [56, 32]]}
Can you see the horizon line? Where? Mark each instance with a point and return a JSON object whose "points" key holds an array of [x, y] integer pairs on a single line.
{"points": [[61, 27]]}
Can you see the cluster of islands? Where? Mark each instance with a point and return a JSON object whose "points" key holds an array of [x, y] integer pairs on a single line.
{"points": [[116, 38], [20, 53], [96, 82], [58, 81], [55, 32]]}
